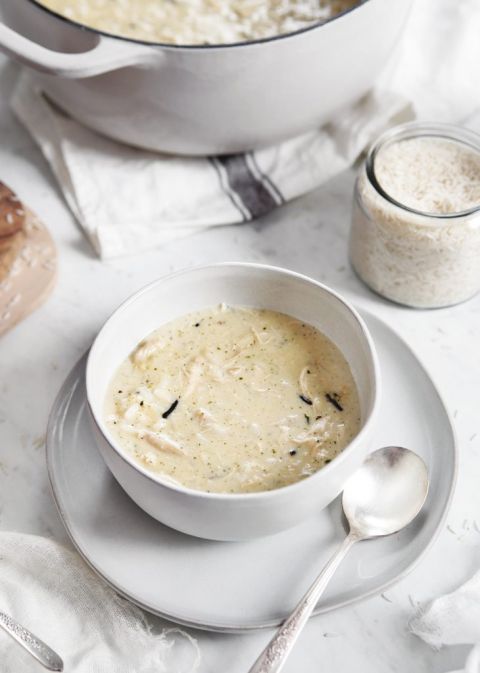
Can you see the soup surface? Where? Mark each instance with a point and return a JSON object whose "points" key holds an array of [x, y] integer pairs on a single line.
{"points": [[198, 21], [233, 400]]}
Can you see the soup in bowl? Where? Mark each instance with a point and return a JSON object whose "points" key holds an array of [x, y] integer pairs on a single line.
{"points": [[233, 401]]}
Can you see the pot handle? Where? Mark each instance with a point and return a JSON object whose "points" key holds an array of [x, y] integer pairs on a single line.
{"points": [[105, 56]]}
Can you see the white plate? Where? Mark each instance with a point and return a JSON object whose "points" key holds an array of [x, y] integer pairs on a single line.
{"points": [[238, 586]]}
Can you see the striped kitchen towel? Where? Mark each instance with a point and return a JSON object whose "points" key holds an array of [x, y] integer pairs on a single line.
{"points": [[128, 200]]}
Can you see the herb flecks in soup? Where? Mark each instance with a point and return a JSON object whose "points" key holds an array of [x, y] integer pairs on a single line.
{"points": [[234, 400], [198, 21]]}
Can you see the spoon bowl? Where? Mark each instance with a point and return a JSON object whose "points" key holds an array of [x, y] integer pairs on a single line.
{"points": [[383, 496], [386, 493]]}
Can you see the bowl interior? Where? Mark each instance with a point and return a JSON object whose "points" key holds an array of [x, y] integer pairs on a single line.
{"points": [[235, 284]]}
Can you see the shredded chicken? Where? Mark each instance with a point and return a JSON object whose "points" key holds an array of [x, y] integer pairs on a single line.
{"points": [[235, 370], [318, 433], [262, 337], [207, 420], [241, 346], [308, 441], [146, 350], [194, 374], [161, 441], [132, 413]]}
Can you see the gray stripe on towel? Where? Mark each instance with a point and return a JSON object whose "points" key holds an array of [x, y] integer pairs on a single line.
{"points": [[255, 197], [225, 187], [265, 179]]}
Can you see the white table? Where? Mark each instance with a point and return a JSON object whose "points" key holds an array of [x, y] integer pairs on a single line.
{"points": [[308, 236]]}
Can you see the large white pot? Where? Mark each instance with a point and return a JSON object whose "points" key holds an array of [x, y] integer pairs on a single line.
{"points": [[204, 100]]}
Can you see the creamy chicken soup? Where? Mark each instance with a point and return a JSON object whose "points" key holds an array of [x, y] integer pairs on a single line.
{"points": [[198, 21], [234, 400]]}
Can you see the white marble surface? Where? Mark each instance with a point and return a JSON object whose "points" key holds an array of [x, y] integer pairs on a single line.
{"points": [[309, 236]]}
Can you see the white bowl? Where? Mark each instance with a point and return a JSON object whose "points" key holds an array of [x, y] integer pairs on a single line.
{"points": [[232, 516]]}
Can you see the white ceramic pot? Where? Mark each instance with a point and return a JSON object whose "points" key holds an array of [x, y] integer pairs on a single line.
{"points": [[232, 516], [204, 100]]}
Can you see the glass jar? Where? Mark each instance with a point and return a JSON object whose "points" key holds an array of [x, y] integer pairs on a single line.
{"points": [[415, 233]]}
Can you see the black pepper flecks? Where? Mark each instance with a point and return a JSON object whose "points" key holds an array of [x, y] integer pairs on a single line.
{"points": [[333, 399], [306, 400], [170, 409]]}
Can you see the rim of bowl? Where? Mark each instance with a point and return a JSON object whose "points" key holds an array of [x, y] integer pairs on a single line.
{"points": [[158, 479], [195, 47]]}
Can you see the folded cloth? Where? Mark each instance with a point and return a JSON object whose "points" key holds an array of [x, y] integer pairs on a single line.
{"points": [[53, 593], [453, 619], [128, 200]]}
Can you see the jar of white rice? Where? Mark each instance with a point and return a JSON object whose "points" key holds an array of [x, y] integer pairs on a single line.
{"points": [[415, 235]]}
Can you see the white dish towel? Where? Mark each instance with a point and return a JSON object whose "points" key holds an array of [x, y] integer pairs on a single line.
{"points": [[128, 200], [453, 619], [53, 593]]}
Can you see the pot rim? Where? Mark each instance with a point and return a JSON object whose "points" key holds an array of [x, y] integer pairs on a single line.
{"points": [[273, 494], [195, 47]]}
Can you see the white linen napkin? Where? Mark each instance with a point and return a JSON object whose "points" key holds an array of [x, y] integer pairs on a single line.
{"points": [[128, 200], [453, 619], [54, 594]]}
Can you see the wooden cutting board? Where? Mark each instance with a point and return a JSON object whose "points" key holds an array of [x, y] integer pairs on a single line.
{"points": [[28, 260]]}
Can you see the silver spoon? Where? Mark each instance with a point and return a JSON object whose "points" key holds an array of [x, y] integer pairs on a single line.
{"points": [[382, 497], [33, 645]]}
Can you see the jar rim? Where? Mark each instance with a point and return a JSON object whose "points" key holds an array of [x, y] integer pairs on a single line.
{"points": [[409, 131]]}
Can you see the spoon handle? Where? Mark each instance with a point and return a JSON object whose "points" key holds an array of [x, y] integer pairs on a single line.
{"points": [[274, 656], [34, 646]]}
